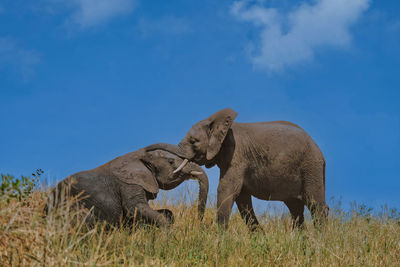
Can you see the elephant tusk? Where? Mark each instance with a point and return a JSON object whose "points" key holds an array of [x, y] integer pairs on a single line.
{"points": [[183, 164], [195, 173]]}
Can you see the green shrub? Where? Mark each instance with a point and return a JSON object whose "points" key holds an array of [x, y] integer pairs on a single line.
{"points": [[20, 188]]}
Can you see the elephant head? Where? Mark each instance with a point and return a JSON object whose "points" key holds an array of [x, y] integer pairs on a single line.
{"points": [[154, 170], [204, 140]]}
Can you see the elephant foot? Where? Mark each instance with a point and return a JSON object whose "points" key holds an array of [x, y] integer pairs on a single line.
{"points": [[256, 228], [168, 214]]}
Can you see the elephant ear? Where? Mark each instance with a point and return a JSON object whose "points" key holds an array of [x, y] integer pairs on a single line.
{"points": [[220, 123], [135, 172]]}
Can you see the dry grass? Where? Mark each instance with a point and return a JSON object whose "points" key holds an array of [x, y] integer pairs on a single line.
{"points": [[27, 238]]}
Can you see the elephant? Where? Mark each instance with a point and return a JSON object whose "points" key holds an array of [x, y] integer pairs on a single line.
{"points": [[119, 190], [274, 160]]}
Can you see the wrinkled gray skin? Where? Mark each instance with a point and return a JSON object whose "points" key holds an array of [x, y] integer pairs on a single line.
{"points": [[274, 160], [120, 189]]}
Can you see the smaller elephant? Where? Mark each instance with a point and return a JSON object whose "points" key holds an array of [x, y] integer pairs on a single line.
{"points": [[119, 190]]}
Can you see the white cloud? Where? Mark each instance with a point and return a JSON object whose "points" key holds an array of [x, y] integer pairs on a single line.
{"points": [[90, 13], [167, 25], [93, 12], [292, 38], [18, 59]]}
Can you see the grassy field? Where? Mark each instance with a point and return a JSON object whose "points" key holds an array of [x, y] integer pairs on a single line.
{"points": [[60, 239]]}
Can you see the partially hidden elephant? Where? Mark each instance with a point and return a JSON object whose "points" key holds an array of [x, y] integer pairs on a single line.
{"points": [[274, 160], [119, 190]]}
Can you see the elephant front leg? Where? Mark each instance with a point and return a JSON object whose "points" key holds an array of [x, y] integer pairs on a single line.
{"points": [[228, 190], [150, 216], [246, 210], [168, 214], [136, 207]]}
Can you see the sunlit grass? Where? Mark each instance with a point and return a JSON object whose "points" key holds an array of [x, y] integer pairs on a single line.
{"points": [[347, 239]]}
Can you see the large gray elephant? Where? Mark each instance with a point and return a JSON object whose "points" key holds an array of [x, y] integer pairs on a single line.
{"points": [[274, 160], [120, 189]]}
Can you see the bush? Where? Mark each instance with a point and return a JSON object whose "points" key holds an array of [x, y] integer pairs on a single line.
{"points": [[20, 188]]}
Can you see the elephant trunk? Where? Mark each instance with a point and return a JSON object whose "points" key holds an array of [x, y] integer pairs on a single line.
{"points": [[203, 188], [187, 167], [166, 147], [176, 150]]}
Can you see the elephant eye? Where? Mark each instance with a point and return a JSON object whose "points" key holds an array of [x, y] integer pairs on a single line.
{"points": [[171, 161], [193, 140]]}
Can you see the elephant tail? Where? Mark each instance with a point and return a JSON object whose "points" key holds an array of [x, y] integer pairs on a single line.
{"points": [[324, 175], [52, 199], [59, 194], [326, 206]]}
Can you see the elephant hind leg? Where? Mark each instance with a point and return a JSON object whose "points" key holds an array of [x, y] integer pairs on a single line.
{"points": [[314, 191], [245, 206], [296, 208], [319, 211]]}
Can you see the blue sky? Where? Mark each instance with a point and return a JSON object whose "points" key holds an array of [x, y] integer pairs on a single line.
{"points": [[84, 81]]}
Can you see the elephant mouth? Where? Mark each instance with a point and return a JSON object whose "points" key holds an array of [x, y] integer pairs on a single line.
{"points": [[199, 159]]}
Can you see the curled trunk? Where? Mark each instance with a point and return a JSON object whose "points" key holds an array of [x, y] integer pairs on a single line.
{"points": [[166, 147], [203, 188]]}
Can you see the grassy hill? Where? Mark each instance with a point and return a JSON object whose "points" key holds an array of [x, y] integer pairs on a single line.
{"points": [[348, 239]]}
